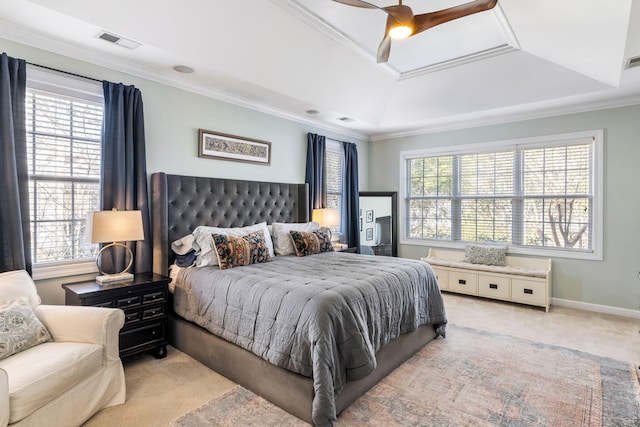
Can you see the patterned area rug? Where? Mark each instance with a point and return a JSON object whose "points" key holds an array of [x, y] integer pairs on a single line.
{"points": [[471, 378]]}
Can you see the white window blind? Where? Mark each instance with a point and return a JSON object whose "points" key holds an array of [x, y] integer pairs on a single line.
{"points": [[63, 148], [533, 195], [334, 162]]}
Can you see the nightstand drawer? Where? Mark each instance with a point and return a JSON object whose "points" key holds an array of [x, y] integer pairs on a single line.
{"points": [[128, 302], [150, 313], [153, 297], [143, 336]]}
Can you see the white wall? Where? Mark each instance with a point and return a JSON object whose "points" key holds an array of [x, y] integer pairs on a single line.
{"points": [[611, 282], [172, 119]]}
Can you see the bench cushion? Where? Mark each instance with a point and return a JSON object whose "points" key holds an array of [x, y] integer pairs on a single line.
{"points": [[507, 269], [41, 373]]}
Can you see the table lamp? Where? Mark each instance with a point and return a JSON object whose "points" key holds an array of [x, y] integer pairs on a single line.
{"points": [[114, 227], [326, 217]]}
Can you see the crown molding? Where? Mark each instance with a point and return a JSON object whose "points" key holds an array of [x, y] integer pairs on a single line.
{"points": [[19, 34], [521, 113]]}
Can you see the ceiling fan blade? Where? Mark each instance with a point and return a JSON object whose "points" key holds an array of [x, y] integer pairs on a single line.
{"points": [[385, 45], [384, 50], [358, 3], [425, 21]]}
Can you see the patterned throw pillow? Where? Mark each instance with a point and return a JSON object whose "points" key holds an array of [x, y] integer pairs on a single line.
{"points": [[235, 251], [20, 329], [311, 242], [485, 254]]}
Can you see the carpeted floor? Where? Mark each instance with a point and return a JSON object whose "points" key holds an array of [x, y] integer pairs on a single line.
{"points": [[471, 378]]}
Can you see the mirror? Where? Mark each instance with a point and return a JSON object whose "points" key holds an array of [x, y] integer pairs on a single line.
{"points": [[378, 211]]}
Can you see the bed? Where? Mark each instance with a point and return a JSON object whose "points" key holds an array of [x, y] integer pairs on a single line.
{"points": [[181, 203]]}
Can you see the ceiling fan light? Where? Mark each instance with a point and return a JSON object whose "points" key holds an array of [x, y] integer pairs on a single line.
{"points": [[400, 32]]}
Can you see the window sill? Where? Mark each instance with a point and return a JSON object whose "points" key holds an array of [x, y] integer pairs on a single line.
{"points": [[63, 269]]}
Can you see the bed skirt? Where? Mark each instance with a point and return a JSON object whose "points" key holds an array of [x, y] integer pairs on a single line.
{"points": [[288, 390]]}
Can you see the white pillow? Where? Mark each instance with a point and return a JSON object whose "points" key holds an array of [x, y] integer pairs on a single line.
{"points": [[282, 241], [203, 235]]}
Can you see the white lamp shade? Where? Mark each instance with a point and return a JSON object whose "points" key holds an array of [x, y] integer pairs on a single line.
{"points": [[114, 226], [326, 217]]}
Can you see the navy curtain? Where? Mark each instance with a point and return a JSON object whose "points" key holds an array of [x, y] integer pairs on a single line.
{"points": [[124, 170], [350, 197], [315, 174], [15, 231]]}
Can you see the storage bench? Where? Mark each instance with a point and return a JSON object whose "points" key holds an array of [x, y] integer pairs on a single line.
{"points": [[524, 280]]}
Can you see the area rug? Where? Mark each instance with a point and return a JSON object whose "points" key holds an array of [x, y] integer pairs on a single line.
{"points": [[471, 378]]}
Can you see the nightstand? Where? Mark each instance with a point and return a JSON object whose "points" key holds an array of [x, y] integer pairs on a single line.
{"points": [[144, 302]]}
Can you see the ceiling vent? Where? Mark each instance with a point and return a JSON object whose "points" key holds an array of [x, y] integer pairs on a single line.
{"points": [[120, 41], [633, 62], [346, 119]]}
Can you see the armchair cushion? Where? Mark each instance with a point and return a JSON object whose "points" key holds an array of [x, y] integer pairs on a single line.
{"points": [[42, 373], [20, 329]]}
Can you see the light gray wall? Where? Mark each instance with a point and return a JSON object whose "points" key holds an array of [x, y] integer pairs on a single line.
{"points": [[611, 282], [172, 119]]}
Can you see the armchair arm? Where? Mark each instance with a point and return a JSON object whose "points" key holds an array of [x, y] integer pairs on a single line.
{"points": [[95, 325], [4, 399]]}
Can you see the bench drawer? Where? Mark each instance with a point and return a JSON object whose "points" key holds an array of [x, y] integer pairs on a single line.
{"points": [[528, 292], [465, 283], [443, 278], [494, 286]]}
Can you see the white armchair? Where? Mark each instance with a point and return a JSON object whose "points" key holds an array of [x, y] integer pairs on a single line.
{"points": [[62, 382]]}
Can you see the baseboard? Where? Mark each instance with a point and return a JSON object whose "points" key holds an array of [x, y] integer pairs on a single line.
{"points": [[597, 308]]}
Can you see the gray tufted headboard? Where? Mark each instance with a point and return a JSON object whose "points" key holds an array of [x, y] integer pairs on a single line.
{"points": [[181, 203]]}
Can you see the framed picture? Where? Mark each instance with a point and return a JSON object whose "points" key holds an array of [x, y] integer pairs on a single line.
{"points": [[369, 233], [215, 145], [369, 216]]}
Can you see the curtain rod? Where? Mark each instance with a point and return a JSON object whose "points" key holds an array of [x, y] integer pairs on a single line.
{"points": [[64, 72]]}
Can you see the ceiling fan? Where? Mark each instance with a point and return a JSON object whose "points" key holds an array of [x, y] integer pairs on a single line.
{"points": [[402, 23]]}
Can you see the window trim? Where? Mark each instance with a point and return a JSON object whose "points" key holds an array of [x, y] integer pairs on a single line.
{"points": [[543, 141], [75, 87]]}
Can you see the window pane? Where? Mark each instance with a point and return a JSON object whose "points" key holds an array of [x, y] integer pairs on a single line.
{"points": [[540, 196], [63, 148], [334, 159]]}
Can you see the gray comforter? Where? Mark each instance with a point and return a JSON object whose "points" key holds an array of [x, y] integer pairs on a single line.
{"points": [[324, 316]]}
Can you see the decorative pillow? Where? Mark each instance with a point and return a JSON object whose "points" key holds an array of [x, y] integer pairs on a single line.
{"points": [[485, 254], [20, 329], [243, 250], [311, 242], [282, 243], [205, 248]]}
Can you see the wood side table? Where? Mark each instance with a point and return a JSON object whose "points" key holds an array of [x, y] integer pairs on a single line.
{"points": [[144, 301]]}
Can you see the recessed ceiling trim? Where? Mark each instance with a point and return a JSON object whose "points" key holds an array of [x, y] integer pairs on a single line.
{"points": [[318, 23], [633, 62], [474, 57]]}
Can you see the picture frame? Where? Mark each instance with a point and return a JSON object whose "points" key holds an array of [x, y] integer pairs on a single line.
{"points": [[222, 146], [369, 216], [369, 233]]}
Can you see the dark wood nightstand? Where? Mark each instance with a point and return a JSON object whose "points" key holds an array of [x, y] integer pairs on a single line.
{"points": [[144, 301]]}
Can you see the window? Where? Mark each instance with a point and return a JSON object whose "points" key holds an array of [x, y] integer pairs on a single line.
{"points": [[536, 194], [334, 161], [64, 124]]}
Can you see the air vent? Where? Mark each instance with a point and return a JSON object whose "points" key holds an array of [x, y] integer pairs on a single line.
{"points": [[346, 119], [633, 62], [120, 41]]}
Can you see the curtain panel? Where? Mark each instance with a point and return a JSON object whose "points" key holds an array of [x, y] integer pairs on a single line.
{"points": [[315, 174], [15, 228], [350, 197], [124, 170]]}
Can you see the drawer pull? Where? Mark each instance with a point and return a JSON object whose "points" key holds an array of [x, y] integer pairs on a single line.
{"points": [[462, 282], [493, 286], [528, 291]]}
